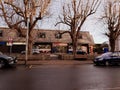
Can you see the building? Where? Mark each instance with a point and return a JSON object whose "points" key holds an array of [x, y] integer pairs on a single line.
{"points": [[45, 40], [117, 44]]}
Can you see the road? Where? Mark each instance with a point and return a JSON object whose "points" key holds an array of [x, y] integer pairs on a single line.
{"points": [[61, 77]]}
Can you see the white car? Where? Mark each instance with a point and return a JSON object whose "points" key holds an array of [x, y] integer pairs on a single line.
{"points": [[34, 51]]}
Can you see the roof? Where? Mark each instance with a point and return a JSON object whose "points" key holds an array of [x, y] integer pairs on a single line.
{"points": [[50, 36]]}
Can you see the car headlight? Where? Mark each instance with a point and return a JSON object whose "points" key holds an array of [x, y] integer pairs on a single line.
{"points": [[10, 58]]}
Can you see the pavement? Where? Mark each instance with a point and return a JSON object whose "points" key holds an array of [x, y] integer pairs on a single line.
{"points": [[55, 62]]}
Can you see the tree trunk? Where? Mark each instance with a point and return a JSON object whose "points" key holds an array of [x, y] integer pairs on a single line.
{"points": [[74, 47], [112, 44], [30, 44]]}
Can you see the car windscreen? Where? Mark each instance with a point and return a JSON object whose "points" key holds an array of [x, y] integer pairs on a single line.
{"points": [[114, 54]]}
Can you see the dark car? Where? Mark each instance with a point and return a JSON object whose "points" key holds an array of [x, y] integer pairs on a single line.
{"points": [[109, 58], [78, 52], [6, 60]]}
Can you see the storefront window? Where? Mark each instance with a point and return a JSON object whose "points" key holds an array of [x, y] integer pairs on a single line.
{"points": [[59, 47], [58, 36], [80, 36], [1, 33], [41, 35]]}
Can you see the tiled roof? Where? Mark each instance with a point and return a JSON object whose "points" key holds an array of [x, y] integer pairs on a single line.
{"points": [[50, 36]]}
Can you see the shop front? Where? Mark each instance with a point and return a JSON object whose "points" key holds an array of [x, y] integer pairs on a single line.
{"points": [[59, 47], [43, 47]]}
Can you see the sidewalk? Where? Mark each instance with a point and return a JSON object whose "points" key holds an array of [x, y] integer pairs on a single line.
{"points": [[56, 62]]}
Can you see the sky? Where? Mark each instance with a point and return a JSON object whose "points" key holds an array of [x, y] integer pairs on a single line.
{"points": [[92, 24]]}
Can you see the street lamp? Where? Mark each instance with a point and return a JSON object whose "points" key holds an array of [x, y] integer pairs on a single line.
{"points": [[30, 11], [27, 37], [27, 32]]}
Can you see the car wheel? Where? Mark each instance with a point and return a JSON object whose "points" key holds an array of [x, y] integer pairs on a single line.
{"points": [[97, 64], [2, 64], [106, 63]]}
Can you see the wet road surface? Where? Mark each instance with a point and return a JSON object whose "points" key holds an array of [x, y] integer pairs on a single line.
{"points": [[61, 77]]}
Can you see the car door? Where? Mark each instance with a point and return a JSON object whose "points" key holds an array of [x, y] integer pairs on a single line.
{"points": [[115, 58]]}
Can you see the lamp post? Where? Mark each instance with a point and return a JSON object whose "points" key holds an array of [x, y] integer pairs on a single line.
{"points": [[27, 37], [30, 11], [27, 32]]}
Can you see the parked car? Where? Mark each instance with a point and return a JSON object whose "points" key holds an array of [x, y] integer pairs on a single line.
{"points": [[34, 51], [6, 60], [44, 50], [78, 52], [81, 52], [109, 58]]}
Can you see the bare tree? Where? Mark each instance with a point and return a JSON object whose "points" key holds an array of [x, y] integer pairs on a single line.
{"points": [[111, 18], [15, 14], [75, 14]]}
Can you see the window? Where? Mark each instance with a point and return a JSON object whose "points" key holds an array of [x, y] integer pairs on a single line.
{"points": [[1, 33], [58, 35], [41, 35], [80, 36], [19, 35]]}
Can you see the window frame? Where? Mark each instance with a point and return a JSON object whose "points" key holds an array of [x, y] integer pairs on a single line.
{"points": [[41, 35], [58, 35]]}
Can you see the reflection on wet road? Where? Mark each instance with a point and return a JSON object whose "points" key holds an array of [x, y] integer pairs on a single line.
{"points": [[61, 77]]}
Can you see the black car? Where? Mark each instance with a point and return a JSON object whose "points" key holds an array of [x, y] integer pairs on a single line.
{"points": [[109, 58], [6, 60]]}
